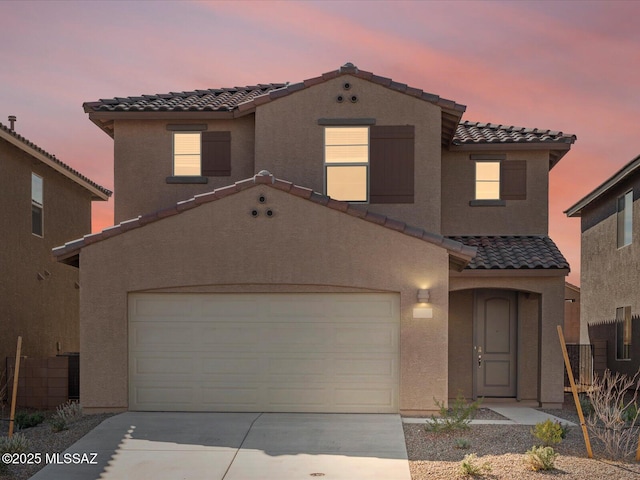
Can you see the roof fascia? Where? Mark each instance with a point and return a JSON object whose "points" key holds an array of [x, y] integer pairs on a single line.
{"points": [[622, 174], [483, 147], [512, 272], [95, 192]]}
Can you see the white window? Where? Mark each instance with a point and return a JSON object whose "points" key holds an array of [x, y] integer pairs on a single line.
{"points": [[625, 219], [186, 154], [487, 180], [623, 333], [37, 205], [346, 157]]}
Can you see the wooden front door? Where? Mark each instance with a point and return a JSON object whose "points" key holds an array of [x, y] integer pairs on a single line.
{"points": [[495, 343]]}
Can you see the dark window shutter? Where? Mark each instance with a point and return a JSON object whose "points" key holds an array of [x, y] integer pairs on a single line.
{"points": [[391, 164], [513, 180], [216, 154]]}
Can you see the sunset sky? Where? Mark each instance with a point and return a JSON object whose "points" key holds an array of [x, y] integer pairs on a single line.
{"points": [[570, 66]]}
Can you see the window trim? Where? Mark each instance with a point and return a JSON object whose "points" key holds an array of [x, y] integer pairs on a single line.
{"points": [[624, 323], [37, 205], [366, 164], [621, 219], [173, 152], [490, 201]]}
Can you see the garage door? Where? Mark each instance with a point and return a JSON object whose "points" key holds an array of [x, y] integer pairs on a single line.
{"points": [[264, 352]]}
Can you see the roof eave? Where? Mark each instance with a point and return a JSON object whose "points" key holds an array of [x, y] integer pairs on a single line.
{"points": [[629, 169], [96, 193]]}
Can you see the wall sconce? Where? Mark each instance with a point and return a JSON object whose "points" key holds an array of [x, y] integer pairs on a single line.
{"points": [[423, 295]]}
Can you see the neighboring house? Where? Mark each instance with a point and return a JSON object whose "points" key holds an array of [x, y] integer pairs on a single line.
{"points": [[610, 265], [44, 203], [572, 315], [343, 244]]}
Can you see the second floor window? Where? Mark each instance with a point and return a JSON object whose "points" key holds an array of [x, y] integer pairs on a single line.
{"points": [[346, 158], [186, 154], [625, 219], [623, 333], [487, 180], [206, 154], [37, 205]]}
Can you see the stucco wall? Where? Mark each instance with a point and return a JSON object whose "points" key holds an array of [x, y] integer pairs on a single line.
{"points": [[43, 312], [143, 159], [609, 275], [219, 246], [517, 217], [539, 355], [290, 143]]}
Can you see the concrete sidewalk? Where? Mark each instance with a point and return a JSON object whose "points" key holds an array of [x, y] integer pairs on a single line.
{"points": [[238, 446], [515, 415]]}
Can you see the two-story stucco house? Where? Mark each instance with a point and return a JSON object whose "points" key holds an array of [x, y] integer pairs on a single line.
{"points": [[610, 265], [44, 203], [342, 244]]}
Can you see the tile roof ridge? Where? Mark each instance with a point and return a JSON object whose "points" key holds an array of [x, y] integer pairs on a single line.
{"points": [[53, 158]]}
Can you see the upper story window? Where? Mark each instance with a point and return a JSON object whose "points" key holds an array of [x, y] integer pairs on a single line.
{"points": [[625, 219], [346, 157], [498, 180], [186, 153], [623, 333], [487, 180], [37, 205], [372, 164], [200, 154]]}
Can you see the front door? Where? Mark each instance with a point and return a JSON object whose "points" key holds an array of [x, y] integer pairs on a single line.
{"points": [[495, 343]]}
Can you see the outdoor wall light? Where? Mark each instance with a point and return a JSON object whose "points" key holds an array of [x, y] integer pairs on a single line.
{"points": [[423, 295]]}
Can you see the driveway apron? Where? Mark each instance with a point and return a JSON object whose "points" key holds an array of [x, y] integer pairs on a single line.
{"points": [[238, 446]]}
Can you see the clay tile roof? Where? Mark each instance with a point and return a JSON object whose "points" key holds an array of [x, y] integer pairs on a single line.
{"points": [[513, 252], [477, 132], [69, 253], [98, 192]]}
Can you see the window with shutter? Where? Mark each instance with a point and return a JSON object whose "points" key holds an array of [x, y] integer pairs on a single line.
{"points": [[392, 164], [37, 205], [204, 153]]}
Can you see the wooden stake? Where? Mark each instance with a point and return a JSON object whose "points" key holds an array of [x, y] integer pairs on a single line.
{"points": [[574, 390], [14, 393]]}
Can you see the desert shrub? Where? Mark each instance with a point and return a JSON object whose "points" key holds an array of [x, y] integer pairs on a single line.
{"points": [[614, 420], [585, 403], [549, 432], [462, 443], [18, 443], [470, 467], [65, 414], [541, 458], [456, 417], [28, 419]]}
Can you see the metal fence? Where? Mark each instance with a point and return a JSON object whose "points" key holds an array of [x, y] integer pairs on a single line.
{"points": [[581, 359]]}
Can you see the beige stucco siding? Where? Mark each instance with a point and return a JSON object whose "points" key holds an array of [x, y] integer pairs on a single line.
{"points": [[290, 143], [220, 247], [44, 312], [143, 159], [610, 275], [517, 217]]}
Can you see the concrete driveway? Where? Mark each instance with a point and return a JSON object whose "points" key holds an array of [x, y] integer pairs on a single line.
{"points": [[237, 446]]}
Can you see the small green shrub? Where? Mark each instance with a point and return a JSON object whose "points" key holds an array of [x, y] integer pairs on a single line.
{"points": [[541, 458], [456, 417], [28, 419], [462, 443], [469, 467], [18, 443], [629, 413], [549, 432], [585, 404], [65, 414]]}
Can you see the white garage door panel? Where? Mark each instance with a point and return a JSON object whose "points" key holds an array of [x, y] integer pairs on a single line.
{"points": [[264, 352]]}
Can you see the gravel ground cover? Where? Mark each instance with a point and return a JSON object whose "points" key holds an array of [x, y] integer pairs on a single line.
{"points": [[43, 440], [435, 456]]}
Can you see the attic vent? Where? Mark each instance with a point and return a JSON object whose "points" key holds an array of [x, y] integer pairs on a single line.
{"points": [[346, 85], [354, 98], [339, 99]]}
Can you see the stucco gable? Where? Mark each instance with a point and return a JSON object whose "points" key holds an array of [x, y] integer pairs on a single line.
{"points": [[460, 254]]}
